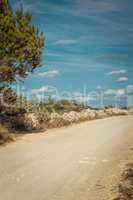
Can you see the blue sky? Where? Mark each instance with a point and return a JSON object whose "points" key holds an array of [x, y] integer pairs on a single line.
{"points": [[88, 42]]}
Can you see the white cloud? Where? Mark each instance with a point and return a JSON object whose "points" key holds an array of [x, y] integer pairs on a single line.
{"points": [[114, 92], [121, 93], [48, 74], [110, 92], [44, 89], [40, 90], [78, 96], [65, 42], [99, 87], [122, 79], [130, 89], [117, 72]]}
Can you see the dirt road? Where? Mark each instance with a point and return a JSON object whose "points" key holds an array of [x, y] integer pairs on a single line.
{"points": [[81, 162]]}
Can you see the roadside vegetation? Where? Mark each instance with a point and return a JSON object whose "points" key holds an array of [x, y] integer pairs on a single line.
{"points": [[23, 116], [126, 186], [5, 135]]}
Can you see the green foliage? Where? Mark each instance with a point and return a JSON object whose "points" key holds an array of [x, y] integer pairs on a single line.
{"points": [[60, 106], [21, 44], [11, 103]]}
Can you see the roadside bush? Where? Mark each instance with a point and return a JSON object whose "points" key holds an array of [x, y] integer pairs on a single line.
{"points": [[5, 135], [10, 103], [126, 185], [43, 116], [17, 123]]}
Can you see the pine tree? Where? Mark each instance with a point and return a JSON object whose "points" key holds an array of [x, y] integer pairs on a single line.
{"points": [[21, 44]]}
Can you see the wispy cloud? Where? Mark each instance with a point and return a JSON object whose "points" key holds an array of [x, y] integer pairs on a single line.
{"points": [[44, 89], [52, 54], [122, 79], [109, 92], [48, 74], [65, 42], [74, 8], [40, 90], [116, 92], [117, 72]]}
